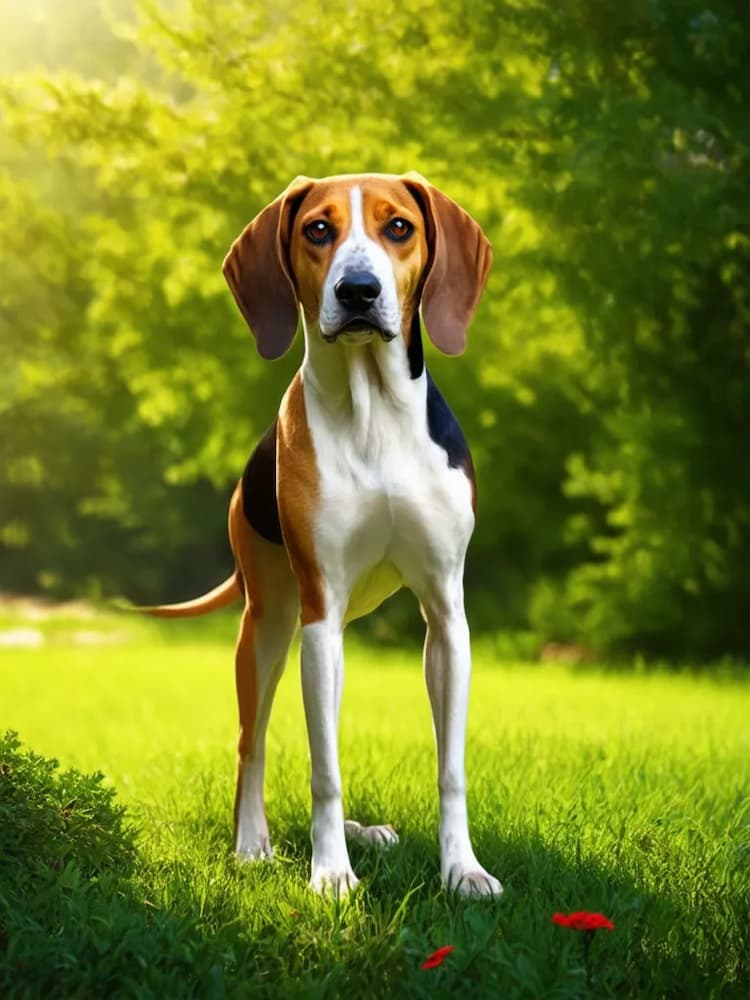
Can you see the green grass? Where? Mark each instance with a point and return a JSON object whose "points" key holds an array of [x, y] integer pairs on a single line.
{"points": [[626, 793]]}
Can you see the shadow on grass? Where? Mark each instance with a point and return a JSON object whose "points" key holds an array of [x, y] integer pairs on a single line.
{"points": [[78, 914], [374, 945], [666, 942], [510, 946]]}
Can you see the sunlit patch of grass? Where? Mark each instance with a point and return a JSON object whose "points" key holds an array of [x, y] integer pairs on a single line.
{"points": [[622, 793]]}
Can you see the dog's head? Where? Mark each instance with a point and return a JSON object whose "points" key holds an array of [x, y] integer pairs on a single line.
{"points": [[360, 253]]}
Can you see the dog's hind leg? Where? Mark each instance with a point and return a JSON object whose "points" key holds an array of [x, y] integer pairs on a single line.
{"points": [[268, 623]]}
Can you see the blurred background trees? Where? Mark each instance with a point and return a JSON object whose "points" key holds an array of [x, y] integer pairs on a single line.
{"points": [[606, 390]]}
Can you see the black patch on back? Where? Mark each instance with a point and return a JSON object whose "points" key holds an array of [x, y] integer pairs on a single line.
{"points": [[444, 430], [415, 351], [259, 489]]}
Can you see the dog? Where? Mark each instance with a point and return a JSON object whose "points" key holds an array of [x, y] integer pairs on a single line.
{"points": [[363, 484]]}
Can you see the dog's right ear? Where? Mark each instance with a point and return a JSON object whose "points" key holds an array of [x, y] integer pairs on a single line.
{"points": [[257, 270]]}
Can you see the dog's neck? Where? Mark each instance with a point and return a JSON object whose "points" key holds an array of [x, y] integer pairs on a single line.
{"points": [[351, 381]]}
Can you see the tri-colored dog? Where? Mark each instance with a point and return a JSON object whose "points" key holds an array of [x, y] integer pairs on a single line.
{"points": [[363, 484]]}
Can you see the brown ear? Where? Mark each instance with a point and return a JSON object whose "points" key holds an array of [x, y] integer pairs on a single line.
{"points": [[457, 269], [257, 270]]}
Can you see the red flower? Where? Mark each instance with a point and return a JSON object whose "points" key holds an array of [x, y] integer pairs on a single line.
{"points": [[583, 921], [437, 957]]}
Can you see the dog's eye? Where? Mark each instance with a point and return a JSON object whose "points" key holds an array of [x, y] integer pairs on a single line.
{"points": [[398, 230], [318, 231]]}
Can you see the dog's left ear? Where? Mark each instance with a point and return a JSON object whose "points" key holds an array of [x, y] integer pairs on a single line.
{"points": [[258, 272], [457, 268]]}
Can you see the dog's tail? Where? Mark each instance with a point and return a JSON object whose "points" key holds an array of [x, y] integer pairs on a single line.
{"points": [[219, 597]]}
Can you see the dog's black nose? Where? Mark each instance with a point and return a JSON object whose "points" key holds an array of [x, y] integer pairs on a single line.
{"points": [[357, 289]]}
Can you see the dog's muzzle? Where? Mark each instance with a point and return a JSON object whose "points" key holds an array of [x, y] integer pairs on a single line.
{"points": [[358, 292]]}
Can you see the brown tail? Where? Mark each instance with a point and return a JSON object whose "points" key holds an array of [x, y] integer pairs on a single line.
{"points": [[219, 597]]}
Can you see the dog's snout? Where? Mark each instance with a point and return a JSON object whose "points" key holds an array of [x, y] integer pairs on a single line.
{"points": [[357, 289]]}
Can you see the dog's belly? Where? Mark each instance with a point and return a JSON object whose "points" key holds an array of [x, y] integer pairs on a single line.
{"points": [[372, 588]]}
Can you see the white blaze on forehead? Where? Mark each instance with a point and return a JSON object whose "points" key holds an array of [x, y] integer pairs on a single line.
{"points": [[358, 220], [358, 250]]}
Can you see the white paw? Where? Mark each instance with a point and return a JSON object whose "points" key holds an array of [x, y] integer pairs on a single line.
{"points": [[472, 882], [254, 849], [333, 882], [379, 836]]}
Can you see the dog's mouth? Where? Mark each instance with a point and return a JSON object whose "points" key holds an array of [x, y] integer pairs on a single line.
{"points": [[362, 325]]}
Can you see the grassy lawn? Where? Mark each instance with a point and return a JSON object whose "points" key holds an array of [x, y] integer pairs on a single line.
{"points": [[626, 794]]}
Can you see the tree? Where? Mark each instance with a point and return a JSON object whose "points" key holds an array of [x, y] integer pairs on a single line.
{"points": [[605, 391]]}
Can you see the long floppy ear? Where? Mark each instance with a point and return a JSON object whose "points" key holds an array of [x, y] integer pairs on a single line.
{"points": [[257, 270], [457, 268]]}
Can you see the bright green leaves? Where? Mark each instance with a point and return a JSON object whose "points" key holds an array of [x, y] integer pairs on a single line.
{"points": [[605, 391]]}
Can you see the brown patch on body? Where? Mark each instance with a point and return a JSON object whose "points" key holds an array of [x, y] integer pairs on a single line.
{"points": [[298, 492]]}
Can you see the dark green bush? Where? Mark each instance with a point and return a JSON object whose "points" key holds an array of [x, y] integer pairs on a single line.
{"points": [[74, 920], [51, 820]]}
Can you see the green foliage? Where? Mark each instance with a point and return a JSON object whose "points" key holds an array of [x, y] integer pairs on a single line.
{"points": [[605, 392], [652, 145], [50, 820], [73, 921]]}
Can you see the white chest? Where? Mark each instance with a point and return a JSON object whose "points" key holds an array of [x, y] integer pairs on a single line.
{"points": [[390, 505]]}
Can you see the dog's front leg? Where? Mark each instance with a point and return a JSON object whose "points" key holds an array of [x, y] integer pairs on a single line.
{"points": [[447, 663], [322, 680]]}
